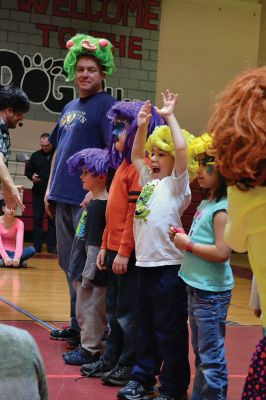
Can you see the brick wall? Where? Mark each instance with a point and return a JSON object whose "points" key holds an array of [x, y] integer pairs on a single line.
{"points": [[31, 32]]}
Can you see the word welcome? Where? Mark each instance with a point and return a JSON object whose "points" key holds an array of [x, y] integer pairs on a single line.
{"points": [[112, 12]]}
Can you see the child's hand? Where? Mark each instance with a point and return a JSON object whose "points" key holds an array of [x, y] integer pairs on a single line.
{"points": [[8, 262], [169, 101], [16, 262], [172, 232], [120, 265], [181, 240], [144, 114], [100, 259]]}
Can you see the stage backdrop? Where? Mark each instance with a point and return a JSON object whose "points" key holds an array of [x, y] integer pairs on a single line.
{"points": [[193, 47]]}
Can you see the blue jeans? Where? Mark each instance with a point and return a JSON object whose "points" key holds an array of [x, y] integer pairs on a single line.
{"points": [[27, 253], [207, 313], [162, 346]]}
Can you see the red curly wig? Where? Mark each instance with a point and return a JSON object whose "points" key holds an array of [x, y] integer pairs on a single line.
{"points": [[238, 125]]}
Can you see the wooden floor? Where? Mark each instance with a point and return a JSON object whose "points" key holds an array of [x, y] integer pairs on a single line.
{"points": [[41, 290], [36, 299]]}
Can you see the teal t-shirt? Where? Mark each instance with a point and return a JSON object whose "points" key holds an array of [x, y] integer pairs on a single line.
{"points": [[200, 273]]}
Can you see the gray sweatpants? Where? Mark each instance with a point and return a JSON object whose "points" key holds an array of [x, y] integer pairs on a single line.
{"points": [[90, 312]]}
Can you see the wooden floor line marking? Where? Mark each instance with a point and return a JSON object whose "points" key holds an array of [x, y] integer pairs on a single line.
{"points": [[19, 309]]}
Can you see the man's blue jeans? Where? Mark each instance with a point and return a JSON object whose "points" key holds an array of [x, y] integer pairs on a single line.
{"points": [[207, 313]]}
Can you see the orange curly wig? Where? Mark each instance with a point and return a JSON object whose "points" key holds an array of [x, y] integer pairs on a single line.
{"points": [[238, 125]]}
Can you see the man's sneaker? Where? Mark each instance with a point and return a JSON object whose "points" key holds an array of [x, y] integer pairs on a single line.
{"points": [[119, 375], [63, 334], [79, 356], [165, 396], [135, 391], [95, 369]]}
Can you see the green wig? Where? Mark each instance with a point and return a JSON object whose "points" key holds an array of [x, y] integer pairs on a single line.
{"points": [[200, 145], [82, 44], [161, 137]]}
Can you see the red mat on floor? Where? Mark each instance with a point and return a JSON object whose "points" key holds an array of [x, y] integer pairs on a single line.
{"points": [[63, 383]]}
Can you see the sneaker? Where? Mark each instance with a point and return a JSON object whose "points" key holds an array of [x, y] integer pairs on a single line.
{"points": [[165, 396], [80, 356], [63, 334], [135, 391], [119, 375], [95, 369]]}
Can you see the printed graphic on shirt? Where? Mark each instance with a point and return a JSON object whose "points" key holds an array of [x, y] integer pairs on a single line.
{"points": [[198, 215], [70, 116], [80, 231], [4, 143], [142, 210]]}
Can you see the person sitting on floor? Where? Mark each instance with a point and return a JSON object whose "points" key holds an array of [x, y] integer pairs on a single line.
{"points": [[11, 240]]}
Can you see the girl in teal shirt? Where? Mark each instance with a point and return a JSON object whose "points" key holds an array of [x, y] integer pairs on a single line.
{"points": [[206, 271]]}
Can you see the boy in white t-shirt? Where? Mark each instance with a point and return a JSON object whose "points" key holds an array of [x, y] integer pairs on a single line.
{"points": [[162, 344]]}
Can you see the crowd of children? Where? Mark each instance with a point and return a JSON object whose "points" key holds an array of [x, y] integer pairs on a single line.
{"points": [[133, 233], [138, 277], [156, 277]]}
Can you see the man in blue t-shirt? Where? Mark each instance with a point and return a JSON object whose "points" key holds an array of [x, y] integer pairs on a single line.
{"points": [[83, 124]]}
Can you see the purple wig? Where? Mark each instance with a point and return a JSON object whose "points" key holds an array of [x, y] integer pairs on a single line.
{"points": [[97, 161], [128, 110]]}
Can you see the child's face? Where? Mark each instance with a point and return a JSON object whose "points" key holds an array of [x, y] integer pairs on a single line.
{"points": [[119, 133], [89, 182], [162, 163], [207, 172]]}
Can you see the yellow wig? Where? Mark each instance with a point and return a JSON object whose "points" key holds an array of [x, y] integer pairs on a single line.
{"points": [[161, 137], [200, 145]]}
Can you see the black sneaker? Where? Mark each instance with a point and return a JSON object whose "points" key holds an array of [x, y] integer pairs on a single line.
{"points": [[135, 391], [95, 369], [80, 356], [63, 334], [119, 375]]}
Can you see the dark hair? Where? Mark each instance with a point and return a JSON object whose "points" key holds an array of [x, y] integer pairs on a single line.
{"points": [[221, 190], [13, 97], [45, 135]]}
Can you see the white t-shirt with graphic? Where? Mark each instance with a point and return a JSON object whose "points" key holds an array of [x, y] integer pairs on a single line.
{"points": [[160, 205]]}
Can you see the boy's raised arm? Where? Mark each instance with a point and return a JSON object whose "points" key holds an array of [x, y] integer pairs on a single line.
{"points": [[167, 112], [138, 149]]}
